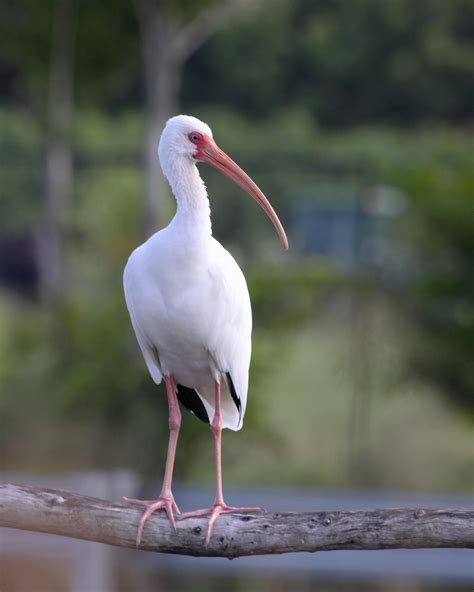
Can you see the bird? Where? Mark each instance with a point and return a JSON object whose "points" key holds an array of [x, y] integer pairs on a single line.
{"points": [[190, 308]]}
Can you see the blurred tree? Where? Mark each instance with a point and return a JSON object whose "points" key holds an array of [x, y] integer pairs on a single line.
{"points": [[288, 65], [346, 62], [441, 295], [59, 168], [41, 45], [171, 32]]}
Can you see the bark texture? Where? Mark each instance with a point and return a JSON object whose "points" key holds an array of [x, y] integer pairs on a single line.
{"points": [[234, 535]]}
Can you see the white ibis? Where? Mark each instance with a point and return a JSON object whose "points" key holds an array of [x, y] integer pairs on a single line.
{"points": [[190, 307]]}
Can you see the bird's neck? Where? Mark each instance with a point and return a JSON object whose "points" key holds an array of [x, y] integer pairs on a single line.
{"points": [[193, 212]]}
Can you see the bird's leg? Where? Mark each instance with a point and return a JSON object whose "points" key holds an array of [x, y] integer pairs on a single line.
{"points": [[219, 507], [166, 499]]}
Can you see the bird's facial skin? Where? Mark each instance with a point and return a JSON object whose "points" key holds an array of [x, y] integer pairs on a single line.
{"points": [[206, 150], [196, 138]]}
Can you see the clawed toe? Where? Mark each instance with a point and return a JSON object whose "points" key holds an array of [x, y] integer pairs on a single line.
{"points": [[214, 512], [162, 503]]}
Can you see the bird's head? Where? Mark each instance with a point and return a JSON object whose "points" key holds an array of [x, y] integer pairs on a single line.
{"points": [[186, 137], [182, 137]]}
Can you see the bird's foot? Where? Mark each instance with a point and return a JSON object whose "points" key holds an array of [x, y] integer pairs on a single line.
{"points": [[164, 502], [214, 512]]}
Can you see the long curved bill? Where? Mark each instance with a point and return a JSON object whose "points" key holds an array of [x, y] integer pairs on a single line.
{"points": [[211, 154]]}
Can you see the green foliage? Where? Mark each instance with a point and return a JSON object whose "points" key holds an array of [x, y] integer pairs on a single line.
{"points": [[431, 168], [20, 171], [287, 73], [286, 298], [108, 55], [25, 28], [443, 298], [344, 62]]}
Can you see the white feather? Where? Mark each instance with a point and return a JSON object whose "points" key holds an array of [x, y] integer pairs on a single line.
{"points": [[187, 297]]}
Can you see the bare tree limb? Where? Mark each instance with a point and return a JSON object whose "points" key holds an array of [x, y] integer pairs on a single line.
{"points": [[192, 35], [68, 514], [167, 43]]}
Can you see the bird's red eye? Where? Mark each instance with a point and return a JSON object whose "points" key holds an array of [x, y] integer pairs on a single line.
{"points": [[194, 137]]}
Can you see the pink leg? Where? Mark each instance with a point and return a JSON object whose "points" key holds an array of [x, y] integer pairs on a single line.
{"points": [[166, 499], [219, 507]]}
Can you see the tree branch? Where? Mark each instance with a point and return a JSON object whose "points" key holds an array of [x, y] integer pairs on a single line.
{"points": [[68, 514], [192, 35]]}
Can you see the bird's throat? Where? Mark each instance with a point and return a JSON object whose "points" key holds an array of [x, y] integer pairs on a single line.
{"points": [[193, 212]]}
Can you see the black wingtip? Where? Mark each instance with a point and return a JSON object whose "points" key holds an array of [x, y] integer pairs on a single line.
{"points": [[192, 401], [233, 393]]}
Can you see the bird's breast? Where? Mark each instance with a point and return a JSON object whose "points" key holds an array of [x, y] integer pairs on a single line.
{"points": [[185, 306]]}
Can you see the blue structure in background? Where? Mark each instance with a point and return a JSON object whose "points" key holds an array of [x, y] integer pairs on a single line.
{"points": [[355, 229]]}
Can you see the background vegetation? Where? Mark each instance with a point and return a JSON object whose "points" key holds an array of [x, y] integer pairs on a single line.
{"points": [[362, 370]]}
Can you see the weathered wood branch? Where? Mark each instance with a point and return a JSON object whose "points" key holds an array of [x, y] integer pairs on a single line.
{"points": [[68, 514]]}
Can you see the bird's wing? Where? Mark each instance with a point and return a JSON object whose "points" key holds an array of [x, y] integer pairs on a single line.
{"points": [[149, 352], [230, 339], [221, 323]]}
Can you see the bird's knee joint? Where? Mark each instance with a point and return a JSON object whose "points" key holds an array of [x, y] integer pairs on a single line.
{"points": [[174, 424], [216, 426]]}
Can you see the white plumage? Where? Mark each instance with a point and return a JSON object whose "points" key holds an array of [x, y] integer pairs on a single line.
{"points": [[189, 303], [190, 308], [187, 297]]}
